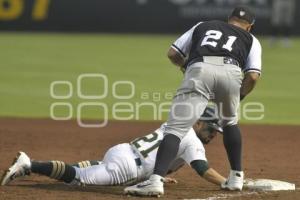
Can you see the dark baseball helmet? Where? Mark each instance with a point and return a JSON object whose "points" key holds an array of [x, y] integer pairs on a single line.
{"points": [[210, 117]]}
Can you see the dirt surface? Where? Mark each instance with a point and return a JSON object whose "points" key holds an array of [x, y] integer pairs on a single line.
{"points": [[269, 152]]}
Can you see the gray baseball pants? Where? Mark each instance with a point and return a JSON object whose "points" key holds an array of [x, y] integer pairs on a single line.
{"points": [[212, 80]]}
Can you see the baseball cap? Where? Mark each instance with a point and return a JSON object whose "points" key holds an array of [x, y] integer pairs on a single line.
{"points": [[244, 13]]}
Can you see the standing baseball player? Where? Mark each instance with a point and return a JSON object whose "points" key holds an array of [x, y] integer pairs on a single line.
{"points": [[128, 163], [213, 54]]}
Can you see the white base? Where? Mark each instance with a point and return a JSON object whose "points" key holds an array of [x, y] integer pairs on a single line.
{"points": [[268, 185]]}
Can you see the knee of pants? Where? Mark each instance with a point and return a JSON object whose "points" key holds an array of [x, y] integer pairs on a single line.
{"points": [[228, 111], [229, 122], [185, 111]]}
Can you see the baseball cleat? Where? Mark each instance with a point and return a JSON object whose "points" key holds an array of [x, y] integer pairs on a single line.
{"points": [[153, 187], [20, 167], [235, 181]]}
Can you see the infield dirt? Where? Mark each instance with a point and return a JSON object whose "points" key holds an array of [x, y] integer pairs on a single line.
{"points": [[269, 152]]}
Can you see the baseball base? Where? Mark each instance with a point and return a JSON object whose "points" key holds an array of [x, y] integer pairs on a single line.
{"points": [[268, 185]]}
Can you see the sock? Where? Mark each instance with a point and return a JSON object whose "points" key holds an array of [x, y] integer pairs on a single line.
{"points": [[166, 153], [232, 140], [54, 169], [86, 163]]}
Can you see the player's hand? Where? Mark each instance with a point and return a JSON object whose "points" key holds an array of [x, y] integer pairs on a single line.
{"points": [[170, 180]]}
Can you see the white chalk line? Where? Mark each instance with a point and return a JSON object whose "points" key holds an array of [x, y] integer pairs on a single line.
{"points": [[228, 196]]}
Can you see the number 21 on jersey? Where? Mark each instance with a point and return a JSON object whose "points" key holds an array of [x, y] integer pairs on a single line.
{"points": [[212, 37], [145, 145]]}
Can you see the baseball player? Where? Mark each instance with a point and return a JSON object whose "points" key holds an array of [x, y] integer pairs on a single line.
{"points": [[214, 56], [128, 163]]}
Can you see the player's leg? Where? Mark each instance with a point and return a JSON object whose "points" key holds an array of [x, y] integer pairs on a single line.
{"points": [[118, 167], [185, 110], [231, 136], [93, 175], [59, 170], [22, 166], [182, 117], [121, 163], [86, 163], [19, 168], [188, 105], [54, 169], [227, 100]]}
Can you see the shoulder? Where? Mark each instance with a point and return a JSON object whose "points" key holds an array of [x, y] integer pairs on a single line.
{"points": [[210, 24], [191, 139], [191, 134], [191, 148], [199, 24], [255, 42]]}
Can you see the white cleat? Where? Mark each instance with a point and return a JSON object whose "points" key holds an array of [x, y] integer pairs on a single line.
{"points": [[152, 187], [235, 181], [20, 167]]}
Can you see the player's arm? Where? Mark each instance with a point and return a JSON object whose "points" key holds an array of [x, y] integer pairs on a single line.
{"points": [[248, 83], [175, 57], [213, 176], [252, 69], [180, 49], [209, 174]]}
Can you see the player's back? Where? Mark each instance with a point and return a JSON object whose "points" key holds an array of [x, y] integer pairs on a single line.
{"points": [[217, 38]]}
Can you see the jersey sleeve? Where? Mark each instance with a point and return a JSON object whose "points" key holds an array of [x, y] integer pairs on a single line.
{"points": [[193, 150], [183, 44], [253, 63]]}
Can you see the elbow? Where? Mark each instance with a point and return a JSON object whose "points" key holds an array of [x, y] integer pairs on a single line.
{"points": [[200, 166], [175, 57], [171, 55], [253, 76]]}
